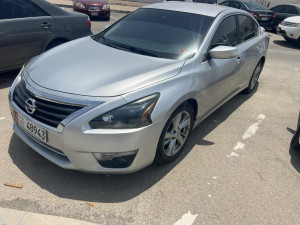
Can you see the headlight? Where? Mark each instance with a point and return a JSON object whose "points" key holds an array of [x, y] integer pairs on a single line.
{"points": [[105, 7], [290, 24], [132, 115], [80, 5]]}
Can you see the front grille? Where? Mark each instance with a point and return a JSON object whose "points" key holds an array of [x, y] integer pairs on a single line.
{"points": [[47, 112], [94, 8]]}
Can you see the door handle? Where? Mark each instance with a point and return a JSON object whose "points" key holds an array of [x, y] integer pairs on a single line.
{"points": [[45, 25], [239, 59]]}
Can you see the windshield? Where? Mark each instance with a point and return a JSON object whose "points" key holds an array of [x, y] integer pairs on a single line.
{"points": [[158, 33], [255, 6]]}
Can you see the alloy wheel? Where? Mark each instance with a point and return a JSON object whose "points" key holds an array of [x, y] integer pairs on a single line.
{"points": [[177, 133]]}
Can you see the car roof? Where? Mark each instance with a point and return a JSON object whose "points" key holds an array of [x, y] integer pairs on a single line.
{"points": [[211, 10]]}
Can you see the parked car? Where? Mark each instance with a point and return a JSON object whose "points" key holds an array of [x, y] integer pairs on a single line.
{"points": [[285, 11], [290, 29], [116, 101], [93, 8], [30, 27], [197, 1], [264, 16], [295, 143]]}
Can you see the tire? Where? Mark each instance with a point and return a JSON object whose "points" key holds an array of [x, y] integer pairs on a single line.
{"points": [[55, 43], [295, 140], [172, 141], [254, 79]]}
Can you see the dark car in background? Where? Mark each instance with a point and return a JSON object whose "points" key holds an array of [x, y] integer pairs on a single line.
{"points": [[29, 27], [264, 16], [93, 8], [285, 11]]}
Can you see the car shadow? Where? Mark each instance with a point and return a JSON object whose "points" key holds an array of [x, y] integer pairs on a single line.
{"points": [[295, 153], [286, 44], [7, 78], [110, 188]]}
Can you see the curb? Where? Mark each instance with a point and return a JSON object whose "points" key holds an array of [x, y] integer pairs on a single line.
{"points": [[13, 217], [112, 10]]}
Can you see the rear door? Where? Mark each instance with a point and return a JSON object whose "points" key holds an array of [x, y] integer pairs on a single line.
{"points": [[24, 30], [250, 48]]}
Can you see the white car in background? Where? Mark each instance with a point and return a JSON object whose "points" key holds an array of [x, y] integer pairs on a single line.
{"points": [[290, 29]]}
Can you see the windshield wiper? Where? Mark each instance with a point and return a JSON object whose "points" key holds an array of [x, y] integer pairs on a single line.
{"points": [[132, 49]]}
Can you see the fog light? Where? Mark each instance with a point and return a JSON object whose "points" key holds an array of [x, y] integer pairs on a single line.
{"points": [[115, 160]]}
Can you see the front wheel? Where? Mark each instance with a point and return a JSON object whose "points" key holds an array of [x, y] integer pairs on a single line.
{"points": [[254, 79], [175, 134]]}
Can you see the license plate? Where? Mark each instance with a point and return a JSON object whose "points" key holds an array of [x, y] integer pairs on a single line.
{"points": [[32, 128], [264, 18], [94, 13]]}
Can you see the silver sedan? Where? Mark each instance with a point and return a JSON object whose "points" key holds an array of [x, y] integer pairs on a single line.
{"points": [[130, 95]]}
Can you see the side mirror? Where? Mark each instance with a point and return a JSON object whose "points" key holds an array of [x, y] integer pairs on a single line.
{"points": [[223, 52]]}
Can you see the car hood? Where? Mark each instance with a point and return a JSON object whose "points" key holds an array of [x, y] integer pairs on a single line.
{"points": [[293, 19], [86, 67]]}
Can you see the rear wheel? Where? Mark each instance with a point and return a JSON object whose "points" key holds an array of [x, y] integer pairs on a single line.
{"points": [[175, 134], [254, 79]]}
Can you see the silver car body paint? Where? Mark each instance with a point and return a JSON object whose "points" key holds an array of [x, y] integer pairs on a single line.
{"points": [[60, 74]]}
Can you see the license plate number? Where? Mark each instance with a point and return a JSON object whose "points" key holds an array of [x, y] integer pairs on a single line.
{"points": [[94, 13], [32, 128], [264, 18]]}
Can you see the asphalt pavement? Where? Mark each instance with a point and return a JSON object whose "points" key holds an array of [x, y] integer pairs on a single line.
{"points": [[238, 167]]}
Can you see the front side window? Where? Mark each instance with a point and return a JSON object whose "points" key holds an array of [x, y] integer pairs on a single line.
{"points": [[226, 33], [158, 33], [14, 9], [247, 28]]}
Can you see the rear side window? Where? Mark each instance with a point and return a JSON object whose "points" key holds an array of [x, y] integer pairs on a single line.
{"points": [[226, 33], [247, 28], [290, 10], [14, 9], [37, 11], [225, 3], [278, 9]]}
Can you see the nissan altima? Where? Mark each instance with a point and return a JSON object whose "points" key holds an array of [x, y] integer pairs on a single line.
{"points": [[116, 101]]}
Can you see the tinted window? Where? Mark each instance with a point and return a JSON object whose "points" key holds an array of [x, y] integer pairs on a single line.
{"points": [[10, 9], [278, 9], [247, 28], [239, 5], [37, 11], [290, 10], [255, 6], [163, 33], [225, 3], [226, 33]]}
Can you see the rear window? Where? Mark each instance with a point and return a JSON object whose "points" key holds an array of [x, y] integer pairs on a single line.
{"points": [[255, 6]]}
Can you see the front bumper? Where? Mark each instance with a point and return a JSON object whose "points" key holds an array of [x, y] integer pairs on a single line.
{"points": [[73, 147], [292, 33]]}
